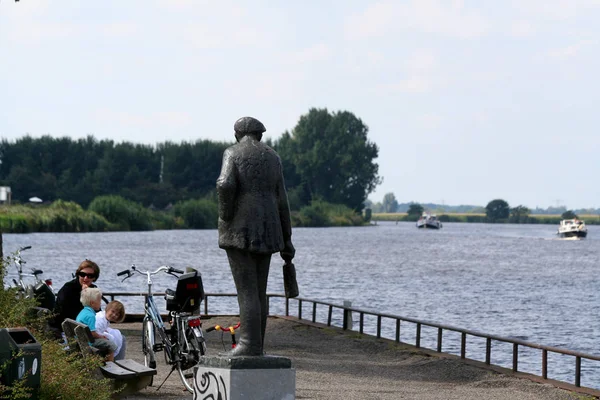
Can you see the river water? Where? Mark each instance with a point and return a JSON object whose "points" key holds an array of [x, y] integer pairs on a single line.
{"points": [[508, 280]]}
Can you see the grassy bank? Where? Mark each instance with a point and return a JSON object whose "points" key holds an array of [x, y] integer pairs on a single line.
{"points": [[589, 219], [114, 213]]}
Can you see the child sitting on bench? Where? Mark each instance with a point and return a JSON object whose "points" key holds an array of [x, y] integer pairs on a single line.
{"points": [[91, 299], [114, 312]]}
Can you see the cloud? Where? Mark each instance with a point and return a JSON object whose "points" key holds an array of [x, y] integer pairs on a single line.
{"points": [[548, 9], [522, 28], [374, 21], [414, 84], [430, 121], [178, 4], [317, 52], [31, 32], [227, 33], [430, 16], [568, 52], [421, 60], [167, 119], [421, 75], [120, 29]]}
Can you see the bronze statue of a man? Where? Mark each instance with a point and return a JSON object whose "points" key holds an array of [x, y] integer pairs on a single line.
{"points": [[254, 223]]}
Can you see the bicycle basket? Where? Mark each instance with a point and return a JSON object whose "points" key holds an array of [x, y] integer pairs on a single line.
{"points": [[189, 293]]}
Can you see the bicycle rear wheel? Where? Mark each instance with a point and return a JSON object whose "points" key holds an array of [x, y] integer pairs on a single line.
{"points": [[190, 349], [148, 341]]}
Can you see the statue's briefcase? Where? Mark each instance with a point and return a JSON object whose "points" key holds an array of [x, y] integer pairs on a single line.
{"points": [[289, 280]]}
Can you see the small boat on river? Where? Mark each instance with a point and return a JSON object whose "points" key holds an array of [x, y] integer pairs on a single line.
{"points": [[572, 228], [429, 221]]}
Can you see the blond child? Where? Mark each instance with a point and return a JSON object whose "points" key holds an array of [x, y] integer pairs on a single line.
{"points": [[114, 312], [91, 299]]}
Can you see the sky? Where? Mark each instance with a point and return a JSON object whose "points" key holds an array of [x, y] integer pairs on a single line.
{"points": [[468, 101]]}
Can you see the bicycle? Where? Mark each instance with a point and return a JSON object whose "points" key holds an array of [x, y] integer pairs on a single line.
{"points": [[183, 343], [41, 290]]}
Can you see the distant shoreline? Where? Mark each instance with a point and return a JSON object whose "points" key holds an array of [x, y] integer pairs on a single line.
{"points": [[547, 219]]}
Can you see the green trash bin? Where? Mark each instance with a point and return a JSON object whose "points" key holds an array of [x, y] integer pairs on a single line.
{"points": [[26, 365]]}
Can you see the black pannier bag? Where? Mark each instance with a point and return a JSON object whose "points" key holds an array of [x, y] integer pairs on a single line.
{"points": [[188, 295], [44, 295]]}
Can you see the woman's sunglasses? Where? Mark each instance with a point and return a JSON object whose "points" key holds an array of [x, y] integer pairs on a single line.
{"points": [[86, 275]]}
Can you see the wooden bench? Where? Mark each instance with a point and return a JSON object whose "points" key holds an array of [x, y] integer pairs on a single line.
{"points": [[128, 376]]}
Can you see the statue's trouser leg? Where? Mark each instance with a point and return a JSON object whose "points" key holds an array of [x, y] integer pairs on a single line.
{"points": [[263, 262], [250, 273]]}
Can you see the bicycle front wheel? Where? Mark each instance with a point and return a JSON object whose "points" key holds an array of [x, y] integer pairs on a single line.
{"points": [[148, 341], [191, 347]]}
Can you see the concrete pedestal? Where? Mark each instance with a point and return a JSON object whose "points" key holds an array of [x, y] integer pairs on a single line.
{"points": [[245, 378]]}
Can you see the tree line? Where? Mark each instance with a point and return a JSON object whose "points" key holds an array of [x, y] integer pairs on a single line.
{"points": [[327, 158], [389, 204], [496, 211]]}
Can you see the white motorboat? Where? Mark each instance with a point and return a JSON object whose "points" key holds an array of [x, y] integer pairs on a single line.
{"points": [[572, 228], [429, 221]]}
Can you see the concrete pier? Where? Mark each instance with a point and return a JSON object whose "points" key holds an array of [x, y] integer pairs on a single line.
{"points": [[331, 364]]}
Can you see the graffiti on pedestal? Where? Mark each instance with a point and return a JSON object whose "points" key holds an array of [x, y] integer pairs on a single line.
{"points": [[209, 386]]}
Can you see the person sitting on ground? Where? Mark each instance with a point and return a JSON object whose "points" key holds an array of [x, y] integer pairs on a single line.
{"points": [[91, 299], [114, 312], [67, 299]]}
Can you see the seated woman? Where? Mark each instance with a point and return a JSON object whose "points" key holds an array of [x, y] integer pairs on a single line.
{"points": [[68, 304], [91, 299]]}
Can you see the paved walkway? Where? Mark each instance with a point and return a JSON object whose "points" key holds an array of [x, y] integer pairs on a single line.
{"points": [[332, 364]]}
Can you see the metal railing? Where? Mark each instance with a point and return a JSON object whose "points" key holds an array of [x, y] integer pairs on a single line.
{"points": [[346, 322]]}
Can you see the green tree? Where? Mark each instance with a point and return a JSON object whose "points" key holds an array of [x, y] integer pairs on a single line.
{"points": [[192, 167], [333, 157], [519, 214], [197, 213], [415, 210], [377, 207], [127, 214], [390, 204], [497, 210], [569, 214]]}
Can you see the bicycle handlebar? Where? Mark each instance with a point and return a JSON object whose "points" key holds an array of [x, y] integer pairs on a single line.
{"points": [[231, 329], [33, 274], [163, 268]]}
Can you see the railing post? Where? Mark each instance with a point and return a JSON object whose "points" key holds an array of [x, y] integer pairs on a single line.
{"points": [[398, 330], [378, 326], [488, 351], [287, 306], [515, 357], [347, 315], [418, 339], [439, 340], [206, 305], [268, 305], [577, 371], [329, 316], [362, 322], [314, 316], [463, 345], [299, 309], [545, 364]]}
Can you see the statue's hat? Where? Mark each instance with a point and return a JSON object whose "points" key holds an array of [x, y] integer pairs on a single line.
{"points": [[248, 125]]}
